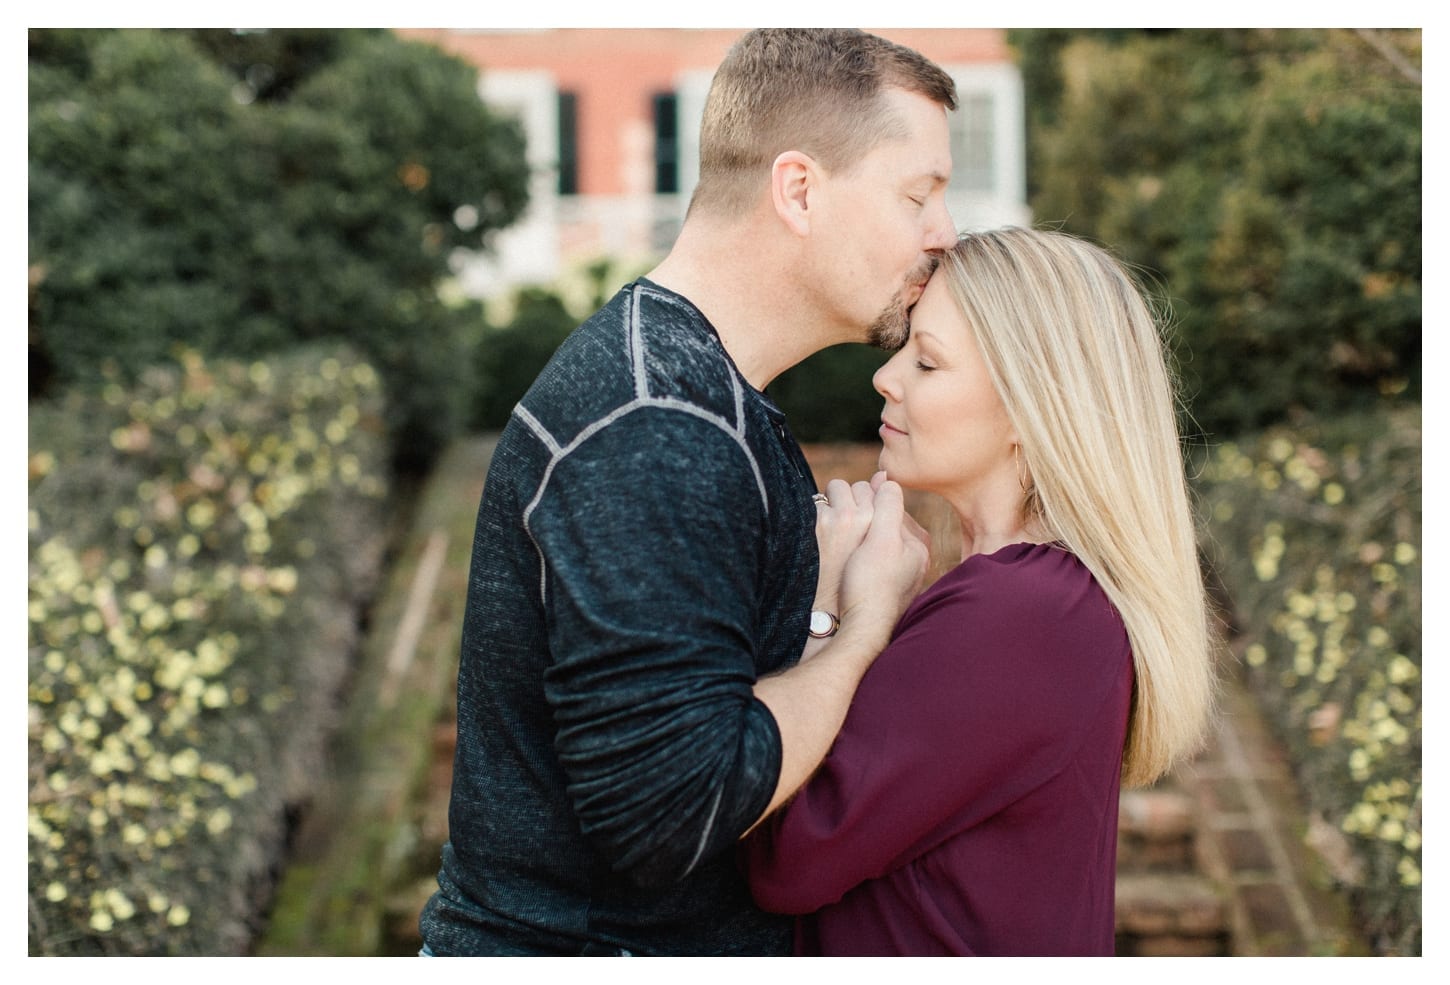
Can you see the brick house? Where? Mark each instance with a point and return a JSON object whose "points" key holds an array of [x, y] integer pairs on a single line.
{"points": [[612, 117]]}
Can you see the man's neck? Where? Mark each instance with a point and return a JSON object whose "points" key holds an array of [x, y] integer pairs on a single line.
{"points": [[764, 320]]}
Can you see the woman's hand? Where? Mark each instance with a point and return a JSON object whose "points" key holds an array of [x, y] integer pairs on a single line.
{"points": [[885, 572], [842, 520]]}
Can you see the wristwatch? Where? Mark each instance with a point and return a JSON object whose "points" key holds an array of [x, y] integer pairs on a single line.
{"points": [[823, 624]]}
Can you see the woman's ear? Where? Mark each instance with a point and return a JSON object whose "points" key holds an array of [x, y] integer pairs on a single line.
{"points": [[793, 180]]}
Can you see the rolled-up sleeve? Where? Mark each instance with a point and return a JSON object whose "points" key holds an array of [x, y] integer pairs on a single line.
{"points": [[650, 532]]}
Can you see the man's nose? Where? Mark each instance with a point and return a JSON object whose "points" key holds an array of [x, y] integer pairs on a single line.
{"points": [[943, 234]]}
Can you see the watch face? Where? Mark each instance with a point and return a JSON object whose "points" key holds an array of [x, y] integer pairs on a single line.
{"points": [[822, 624]]}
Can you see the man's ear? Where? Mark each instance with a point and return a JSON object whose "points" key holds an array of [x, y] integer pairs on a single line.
{"points": [[794, 178]]}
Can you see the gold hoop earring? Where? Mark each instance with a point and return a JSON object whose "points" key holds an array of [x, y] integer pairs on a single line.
{"points": [[1017, 462]]}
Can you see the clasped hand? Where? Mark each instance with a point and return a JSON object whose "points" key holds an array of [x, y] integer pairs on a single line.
{"points": [[873, 554]]}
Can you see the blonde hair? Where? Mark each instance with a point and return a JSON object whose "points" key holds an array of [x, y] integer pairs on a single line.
{"points": [[1076, 355], [813, 90]]}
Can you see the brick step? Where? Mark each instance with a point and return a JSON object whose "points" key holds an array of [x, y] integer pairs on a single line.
{"points": [[1156, 831], [1171, 914]]}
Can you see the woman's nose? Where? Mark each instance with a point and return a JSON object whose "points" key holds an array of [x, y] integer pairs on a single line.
{"points": [[884, 380]]}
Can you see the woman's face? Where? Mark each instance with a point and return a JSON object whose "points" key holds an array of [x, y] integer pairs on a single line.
{"points": [[944, 428]]}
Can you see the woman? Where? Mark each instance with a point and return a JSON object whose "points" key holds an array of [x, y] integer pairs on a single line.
{"points": [[969, 804]]}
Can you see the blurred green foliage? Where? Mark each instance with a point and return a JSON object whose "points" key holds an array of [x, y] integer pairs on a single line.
{"points": [[512, 355], [828, 397], [1315, 532], [201, 542], [243, 192], [1270, 179]]}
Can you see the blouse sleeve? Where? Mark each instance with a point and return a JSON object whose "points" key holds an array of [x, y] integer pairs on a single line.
{"points": [[978, 700]]}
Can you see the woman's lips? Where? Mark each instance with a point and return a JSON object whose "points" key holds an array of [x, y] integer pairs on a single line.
{"points": [[888, 429]]}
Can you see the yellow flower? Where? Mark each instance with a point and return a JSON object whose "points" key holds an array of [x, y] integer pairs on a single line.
{"points": [[185, 763], [1359, 766], [220, 821], [1363, 817], [41, 464], [1401, 669], [1405, 553], [201, 514], [1279, 449], [122, 907]]}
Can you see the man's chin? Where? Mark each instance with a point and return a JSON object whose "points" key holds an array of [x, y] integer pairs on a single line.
{"points": [[891, 329]]}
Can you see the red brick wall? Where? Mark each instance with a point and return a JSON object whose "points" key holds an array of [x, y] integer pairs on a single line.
{"points": [[615, 71]]}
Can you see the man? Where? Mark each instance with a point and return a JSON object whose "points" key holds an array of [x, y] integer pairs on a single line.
{"points": [[629, 697]]}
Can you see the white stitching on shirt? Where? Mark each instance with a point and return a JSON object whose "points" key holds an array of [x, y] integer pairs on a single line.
{"points": [[643, 399], [538, 429], [636, 347], [667, 403], [705, 835]]}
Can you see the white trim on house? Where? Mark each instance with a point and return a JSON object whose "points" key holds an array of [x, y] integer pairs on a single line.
{"points": [[527, 251], [642, 226]]}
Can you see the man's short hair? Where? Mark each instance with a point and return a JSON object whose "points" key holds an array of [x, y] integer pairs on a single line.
{"points": [[818, 91]]}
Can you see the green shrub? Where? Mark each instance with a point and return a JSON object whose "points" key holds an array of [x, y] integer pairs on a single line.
{"points": [[1271, 179], [510, 357], [200, 547], [828, 397], [1315, 532], [177, 197]]}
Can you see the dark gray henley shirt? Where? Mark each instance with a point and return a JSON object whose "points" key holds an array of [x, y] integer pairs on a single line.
{"points": [[644, 553]]}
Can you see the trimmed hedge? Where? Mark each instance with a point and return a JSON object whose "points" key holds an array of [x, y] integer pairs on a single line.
{"points": [[200, 547], [1315, 532]]}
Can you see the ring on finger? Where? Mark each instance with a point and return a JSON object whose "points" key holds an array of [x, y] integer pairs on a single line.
{"points": [[821, 499]]}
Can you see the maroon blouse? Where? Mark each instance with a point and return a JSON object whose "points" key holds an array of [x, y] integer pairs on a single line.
{"points": [[970, 803]]}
